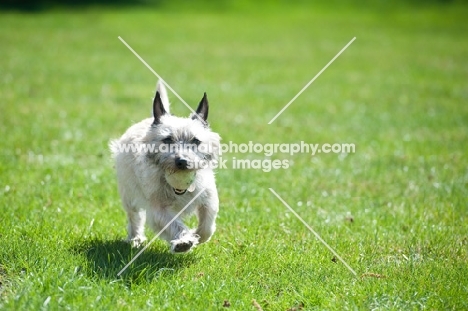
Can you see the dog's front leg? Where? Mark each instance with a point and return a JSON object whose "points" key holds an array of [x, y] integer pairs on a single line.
{"points": [[136, 226], [206, 221], [176, 233]]}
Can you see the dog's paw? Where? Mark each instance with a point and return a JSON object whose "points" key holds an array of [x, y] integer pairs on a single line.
{"points": [[136, 241], [184, 244], [181, 246]]}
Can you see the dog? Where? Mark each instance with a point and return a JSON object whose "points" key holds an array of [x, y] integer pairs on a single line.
{"points": [[170, 163]]}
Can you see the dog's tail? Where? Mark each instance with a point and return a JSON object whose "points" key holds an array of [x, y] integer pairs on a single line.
{"points": [[163, 93]]}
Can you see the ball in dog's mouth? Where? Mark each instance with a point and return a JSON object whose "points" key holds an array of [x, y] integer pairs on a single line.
{"points": [[181, 181]]}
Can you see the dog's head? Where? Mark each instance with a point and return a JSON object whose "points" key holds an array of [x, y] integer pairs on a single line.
{"points": [[182, 145]]}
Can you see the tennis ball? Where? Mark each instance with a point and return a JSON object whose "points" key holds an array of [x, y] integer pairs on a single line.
{"points": [[181, 180]]}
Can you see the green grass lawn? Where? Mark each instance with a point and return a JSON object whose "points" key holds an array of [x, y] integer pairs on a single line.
{"points": [[395, 210]]}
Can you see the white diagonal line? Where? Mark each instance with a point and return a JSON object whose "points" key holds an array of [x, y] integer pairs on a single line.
{"points": [[315, 233], [159, 233], [156, 74], [310, 82]]}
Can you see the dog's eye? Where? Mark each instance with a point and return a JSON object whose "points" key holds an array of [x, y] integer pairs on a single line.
{"points": [[196, 141], [168, 140]]}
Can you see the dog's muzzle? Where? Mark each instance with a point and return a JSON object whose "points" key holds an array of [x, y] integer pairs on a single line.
{"points": [[179, 191]]}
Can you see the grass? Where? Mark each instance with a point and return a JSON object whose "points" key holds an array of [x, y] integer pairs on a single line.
{"points": [[397, 208]]}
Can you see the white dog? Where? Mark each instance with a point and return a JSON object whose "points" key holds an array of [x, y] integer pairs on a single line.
{"points": [[162, 163]]}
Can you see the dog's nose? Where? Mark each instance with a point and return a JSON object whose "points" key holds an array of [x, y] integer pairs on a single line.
{"points": [[181, 163]]}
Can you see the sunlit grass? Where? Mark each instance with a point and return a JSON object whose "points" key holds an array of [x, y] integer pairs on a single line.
{"points": [[395, 210]]}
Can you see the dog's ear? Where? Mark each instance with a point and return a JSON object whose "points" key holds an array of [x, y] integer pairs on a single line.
{"points": [[158, 108], [163, 93], [202, 110]]}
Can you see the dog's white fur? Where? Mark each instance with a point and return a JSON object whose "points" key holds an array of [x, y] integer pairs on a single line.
{"points": [[147, 196]]}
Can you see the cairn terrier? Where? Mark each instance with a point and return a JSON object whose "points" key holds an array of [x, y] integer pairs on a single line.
{"points": [[162, 164]]}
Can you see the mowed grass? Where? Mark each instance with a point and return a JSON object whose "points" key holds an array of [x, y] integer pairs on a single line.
{"points": [[395, 210]]}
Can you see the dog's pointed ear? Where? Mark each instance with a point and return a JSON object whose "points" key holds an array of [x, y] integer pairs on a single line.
{"points": [[202, 110], [158, 108]]}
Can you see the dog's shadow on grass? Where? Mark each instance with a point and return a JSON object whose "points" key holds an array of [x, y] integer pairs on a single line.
{"points": [[106, 258]]}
